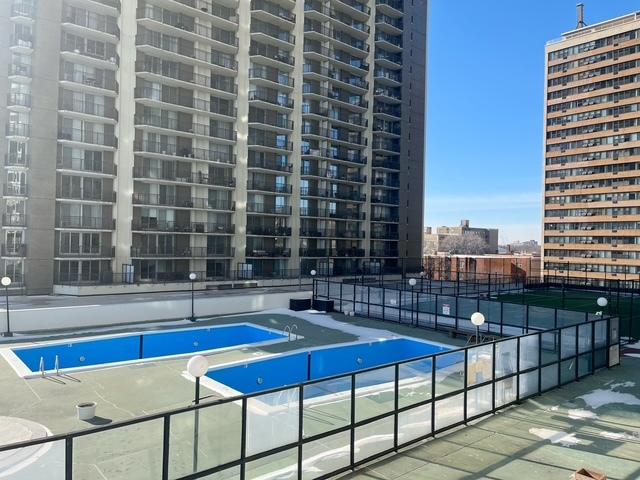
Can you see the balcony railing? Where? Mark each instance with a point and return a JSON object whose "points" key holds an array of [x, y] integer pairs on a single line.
{"points": [[337, 35], [153, 225], [87, 251], [88, 108], [19, 100], [23, 9], [194, 202], [202, 178], [332, 252], [337, 55], [87, 136], [268, 252], [77, 76], [271, 75], [91, 195], [186, 152], [253, 207], [335, 155], [318, 6], [14, 250], [180, 252], [268, 164], [94, 223], [270, 231], [389, 163], [21, 69], [268, 187], [18, 129], [395, 4], [14, 220], [333, 174], [14, 189], [331, 233], [381, 217], [211, 8], [273, 53], [326, 213], [15, 159], [93, 21], [273, 9], [273, 32], [167, 70], [255, 140], [281, 101], [327, 193]]}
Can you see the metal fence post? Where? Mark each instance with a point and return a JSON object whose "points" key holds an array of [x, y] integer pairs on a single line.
{"points": [[166, 431], [396, 406], [243, 439], [300, 428], [352, 442], [383, 303], [68, 458]]}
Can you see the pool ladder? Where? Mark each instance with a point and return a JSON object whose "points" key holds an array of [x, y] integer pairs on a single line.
{"points": [[56, 366], [289, 329]]}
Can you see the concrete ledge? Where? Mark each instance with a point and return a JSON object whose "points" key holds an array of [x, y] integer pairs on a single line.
{"points": [[82, 316]]}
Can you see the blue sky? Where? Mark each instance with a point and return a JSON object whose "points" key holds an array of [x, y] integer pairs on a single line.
{"points": [[485, 107]]}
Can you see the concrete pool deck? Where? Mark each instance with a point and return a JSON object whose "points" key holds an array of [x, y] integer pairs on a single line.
{"points": [[547, 437]]}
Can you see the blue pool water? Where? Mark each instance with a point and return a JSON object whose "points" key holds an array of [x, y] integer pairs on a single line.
{"points": [[142, 346], [317, 364]]}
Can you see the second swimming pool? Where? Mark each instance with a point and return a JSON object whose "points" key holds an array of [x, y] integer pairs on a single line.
{"points": [[295, 368]]}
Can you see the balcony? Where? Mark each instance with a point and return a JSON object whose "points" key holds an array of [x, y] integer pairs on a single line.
{"points": [[200, 178], [253, 207], [88, 108], [391, 7], [358, 46], [90, 223], [14, 250], [357, 6], [328, 213], [213, 9], [170, 150], [346, 59], [20, 70], [108, 196], [385, 218], [82, 164], [194, 30], [383, 75], [166, 70], [22, 43], [316, 6], [333, 174], [147, 38], [386, 199], [200, 129], [269, 52], [385, 110], [87, 136], [384, 253], [272, 143], [82, 78], [90, 20], [268, 252], [279, 38], [18, 129], [384, 145], [388, 60], [14, 190], [180, 252], [109, 58], [272, 9], [336, 195], [346, 98], [23, 8], [337, 75], [335, 155], [393, 41], [81, 251], [277, 100], [331, 233], [334, 134], [332, 252], [14, 220], [268, 231], [194, 202], [154, 225], [386, 182], [269, 164], [19, 100], [271, 75], [385, 235], [386, 163], [269, 187]]}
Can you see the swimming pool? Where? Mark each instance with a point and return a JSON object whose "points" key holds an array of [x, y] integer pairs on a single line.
{"points": [[69, 356], [302, 366]]}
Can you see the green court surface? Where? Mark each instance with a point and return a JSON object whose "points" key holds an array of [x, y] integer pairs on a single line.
{"points": [[626, 307]]}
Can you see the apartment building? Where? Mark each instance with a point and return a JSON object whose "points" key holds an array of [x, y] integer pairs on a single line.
{"points": [[591, 222], [148, 139]]}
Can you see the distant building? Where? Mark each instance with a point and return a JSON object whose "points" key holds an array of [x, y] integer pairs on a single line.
{"points": [[472, 267], [530, 247], [435, 242]]}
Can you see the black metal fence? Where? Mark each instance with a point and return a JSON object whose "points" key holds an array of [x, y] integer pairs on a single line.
{"points": [[445, 312], [328, 426]]}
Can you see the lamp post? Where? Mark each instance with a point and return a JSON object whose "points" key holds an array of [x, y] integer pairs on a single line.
{"points": [[197, 366], [421, 281], [412, 282], [602, 302], [313, 285], [6, 281], [478, 320], [192, 278]]}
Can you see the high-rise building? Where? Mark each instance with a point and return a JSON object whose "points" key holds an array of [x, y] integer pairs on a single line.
{"points": [[153, 138], [592, 152]]}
